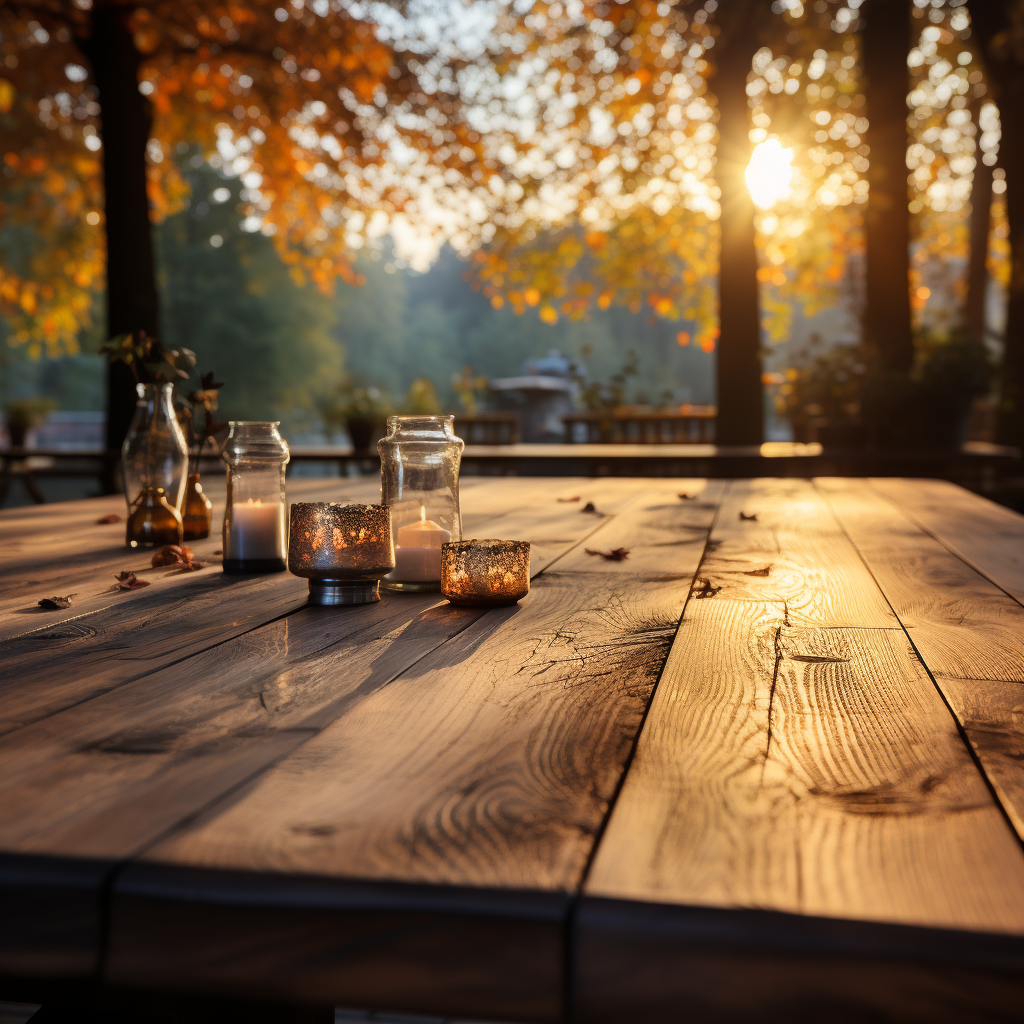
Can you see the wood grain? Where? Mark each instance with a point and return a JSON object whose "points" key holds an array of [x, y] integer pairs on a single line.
{"points": [[140, 632], [490, 763], [982, 533], [969, 633], [801, 764], [110, 774], [83, 560]]}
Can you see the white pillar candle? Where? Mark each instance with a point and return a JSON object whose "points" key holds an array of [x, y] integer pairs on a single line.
{"points": [[257, 531], [418, 551]]}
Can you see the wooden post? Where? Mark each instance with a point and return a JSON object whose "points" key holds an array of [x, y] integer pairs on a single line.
{"points": [[132, 302], [977, 267], [887, 324], [1001, 37], [740, 396]]}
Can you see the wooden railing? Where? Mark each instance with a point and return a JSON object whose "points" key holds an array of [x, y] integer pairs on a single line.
{"points": [[689, 424], [488, 427]]}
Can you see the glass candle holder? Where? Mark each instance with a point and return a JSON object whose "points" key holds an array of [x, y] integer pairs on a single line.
{"points": [[343, 550], [485, 572], [154, 463], [419, 482], [255, 533]]}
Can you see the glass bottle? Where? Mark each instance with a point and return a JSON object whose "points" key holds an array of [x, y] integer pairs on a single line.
{"points": [[154, 464], [419, 474], [197, 510], [255, 530]]}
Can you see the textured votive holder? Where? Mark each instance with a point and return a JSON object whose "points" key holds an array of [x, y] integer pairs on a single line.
{"points": [[485, 572], [343, 550]]}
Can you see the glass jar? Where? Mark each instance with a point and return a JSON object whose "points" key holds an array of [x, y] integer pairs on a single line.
{"points": [[154, 464], [255, 531], [419, 482]]}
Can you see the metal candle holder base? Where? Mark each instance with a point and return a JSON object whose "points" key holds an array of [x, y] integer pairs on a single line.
{"points": [[331, 593], [343, 550]]}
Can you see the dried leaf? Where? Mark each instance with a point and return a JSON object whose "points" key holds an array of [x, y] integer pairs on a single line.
{"points": [[618, 555], [685, 497], [703, 587], [128, 581], [758, 572], [575, 497], [171, 554], [589, 507], [56, 602], [744, 518], [113, 517], [191, 566]]}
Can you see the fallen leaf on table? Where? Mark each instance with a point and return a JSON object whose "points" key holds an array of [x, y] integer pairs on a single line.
{"points": [[703, 587], [190, 566], [171, 554], [618, 555], [744, 518], [108, 519], [758, 572], [218, 552], [129, 581], [684, 497], [56, 602], [589, 507], [575, 497]]}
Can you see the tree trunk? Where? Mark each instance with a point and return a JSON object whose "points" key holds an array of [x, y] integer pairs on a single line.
{"points": [[132, 303], [740, 395], [1001, 37], [887, 323], [977, 267], [1010, 423]]}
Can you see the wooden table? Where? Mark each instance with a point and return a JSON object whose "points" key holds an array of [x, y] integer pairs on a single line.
{"points": [[770, 763]]}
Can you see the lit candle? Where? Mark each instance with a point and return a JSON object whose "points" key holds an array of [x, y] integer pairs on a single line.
{"points": [[485, 572], [257, 530], [418, 551]]}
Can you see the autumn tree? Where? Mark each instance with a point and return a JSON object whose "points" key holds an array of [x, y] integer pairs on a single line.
{"points": [[329, 119], [633, 157]]}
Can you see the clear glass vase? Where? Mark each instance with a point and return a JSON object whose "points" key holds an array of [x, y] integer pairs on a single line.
{"points": [[154, 464], [255, 529], [419, 474]]}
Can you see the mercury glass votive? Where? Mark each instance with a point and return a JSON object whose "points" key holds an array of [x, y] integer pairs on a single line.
{"points": [[343, 550], [485, 572]]}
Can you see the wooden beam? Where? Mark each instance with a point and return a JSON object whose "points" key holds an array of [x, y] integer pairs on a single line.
{"points": [[797, 772]]}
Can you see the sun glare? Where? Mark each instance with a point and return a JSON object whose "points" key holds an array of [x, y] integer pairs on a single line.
{"points": [[769, 173]]}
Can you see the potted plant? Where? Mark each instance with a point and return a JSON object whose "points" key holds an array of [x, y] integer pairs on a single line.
{"points": [[23, 415], [845, 397], [362, 410]]}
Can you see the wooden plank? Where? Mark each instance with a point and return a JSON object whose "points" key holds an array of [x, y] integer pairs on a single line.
{"points": [[84, 560], [489, 764], [982, 533], [106, 777], [969, 633], [144, 631], [795, 770]]}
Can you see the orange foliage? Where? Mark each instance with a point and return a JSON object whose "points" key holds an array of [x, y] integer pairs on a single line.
{"points": [[305, 102]]}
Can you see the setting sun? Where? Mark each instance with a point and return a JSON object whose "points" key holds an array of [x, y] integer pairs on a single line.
{"points": [[769, 173]]}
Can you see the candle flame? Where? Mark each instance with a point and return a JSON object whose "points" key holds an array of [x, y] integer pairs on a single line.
{"points": [[258, 501], [423, 514]]}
